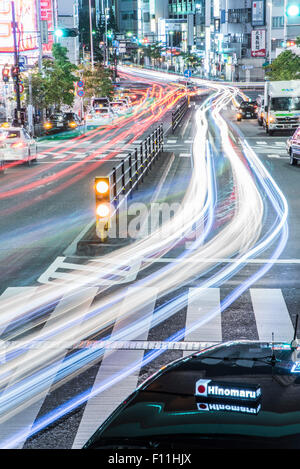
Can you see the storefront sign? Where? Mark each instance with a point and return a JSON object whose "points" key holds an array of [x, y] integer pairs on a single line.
{"points": [[258, 12], [258, 43]]}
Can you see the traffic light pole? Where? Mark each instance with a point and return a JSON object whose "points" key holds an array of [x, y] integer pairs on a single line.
{"points": [[16, 78]]}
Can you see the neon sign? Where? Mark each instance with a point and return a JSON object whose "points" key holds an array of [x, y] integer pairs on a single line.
{"points": [[26, 25], [47, 15]]}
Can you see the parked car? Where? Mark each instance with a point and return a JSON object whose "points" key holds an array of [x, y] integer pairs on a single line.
{"points": [[293, 147], [240, 394], [17, 145], [247, 110]]}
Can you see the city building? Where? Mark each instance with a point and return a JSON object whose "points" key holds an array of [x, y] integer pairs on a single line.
{"points": [[67, 17], [126, 12]]}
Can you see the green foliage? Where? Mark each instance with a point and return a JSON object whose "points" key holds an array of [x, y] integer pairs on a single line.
{"points": [[191, 60], [55, 85], [97, 82], [153, 51], [38, 91], [285, 67]]}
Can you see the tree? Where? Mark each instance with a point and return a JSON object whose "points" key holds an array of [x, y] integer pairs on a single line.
{"points": [[38, 89], [285, 67], [97, 82], [59, 78], [191, 60], [55, 85], [154, 51]]}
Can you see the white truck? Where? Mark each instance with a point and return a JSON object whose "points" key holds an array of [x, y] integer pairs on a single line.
{"points": [[281, 105]]}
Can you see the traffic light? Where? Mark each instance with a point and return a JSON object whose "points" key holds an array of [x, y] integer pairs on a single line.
{"points": [[292, 9], [66, 32], [290, 43], [15, 71], [103, 206], [5, 74], [102, 193]]}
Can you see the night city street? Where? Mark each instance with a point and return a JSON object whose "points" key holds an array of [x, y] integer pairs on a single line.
{"points": [[150, 225]]}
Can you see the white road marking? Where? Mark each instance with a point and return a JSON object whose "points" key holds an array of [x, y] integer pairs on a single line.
{"points": [[99, 407], [202, 302], [91, 273], [185, 155], [23, 294], [26, 417], [279, 157], [271, 315]]}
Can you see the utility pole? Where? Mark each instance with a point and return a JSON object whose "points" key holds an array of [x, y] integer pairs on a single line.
{"points": [[30, 107], [106, 42], [91, 35], [285, 23], [39, 36], [16, 56], [171, 34], [270, 5]]}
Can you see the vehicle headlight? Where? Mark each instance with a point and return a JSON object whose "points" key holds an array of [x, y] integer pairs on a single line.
{"points": [[272, 119], [47, 125]]}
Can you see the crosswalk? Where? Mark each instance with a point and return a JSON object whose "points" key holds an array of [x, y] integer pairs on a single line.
{"points": [[270, 148], [91, 151], [202, 319]]}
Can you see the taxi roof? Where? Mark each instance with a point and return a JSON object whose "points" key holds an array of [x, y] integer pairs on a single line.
{"points": [[244, 394]]}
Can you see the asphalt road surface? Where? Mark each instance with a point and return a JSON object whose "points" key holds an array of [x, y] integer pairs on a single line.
{"points": [[39, 246]]}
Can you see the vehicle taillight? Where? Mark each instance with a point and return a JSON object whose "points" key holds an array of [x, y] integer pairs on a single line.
{"points": [[18, 145]]}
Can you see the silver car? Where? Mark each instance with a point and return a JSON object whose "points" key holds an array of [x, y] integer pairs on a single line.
{"points": [[17, 145]]}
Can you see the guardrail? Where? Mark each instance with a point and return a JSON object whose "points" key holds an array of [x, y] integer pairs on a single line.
{"points": [[126, 177], [178, 114]]}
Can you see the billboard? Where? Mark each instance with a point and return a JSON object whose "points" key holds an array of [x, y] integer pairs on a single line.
{"points": [[25, 13], [258, 12], [258, 43], [47, 15]]}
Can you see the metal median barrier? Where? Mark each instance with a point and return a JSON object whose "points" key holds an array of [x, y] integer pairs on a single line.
{"points": [[131, 171], [112, 189], [179, 113]]}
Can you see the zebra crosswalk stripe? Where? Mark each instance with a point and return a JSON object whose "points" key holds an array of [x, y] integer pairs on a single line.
{"points": [[271, 315], [104, 403], [201, 303], [14, 294], [26, 417]]}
